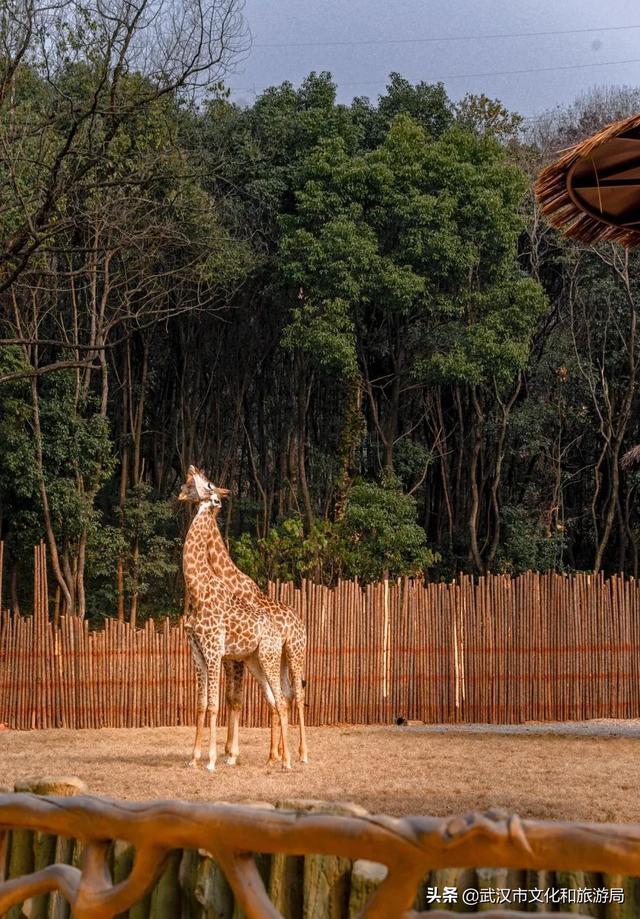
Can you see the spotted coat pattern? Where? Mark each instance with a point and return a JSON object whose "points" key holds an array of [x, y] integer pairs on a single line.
{"points": [[199, 490], [223, 625], [289, 624]]}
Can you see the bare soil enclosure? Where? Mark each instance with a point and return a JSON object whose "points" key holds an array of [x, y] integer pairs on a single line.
{"points": [[588, 773]]}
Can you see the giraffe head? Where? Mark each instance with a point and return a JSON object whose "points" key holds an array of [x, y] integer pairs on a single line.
{"points": [[197, 489]]}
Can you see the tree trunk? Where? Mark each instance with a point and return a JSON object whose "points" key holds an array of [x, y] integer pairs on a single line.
{"points": [[80, 594], [391, 426], [133, 608], [122, 497], [46, 513], [13, 588], [444, 467], [352, 432], [303, 397], [460, 505], [611, 505], [495, 485], [476, 446]]}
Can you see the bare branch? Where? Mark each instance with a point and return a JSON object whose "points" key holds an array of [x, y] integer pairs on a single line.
{"points": [[49, 368]]}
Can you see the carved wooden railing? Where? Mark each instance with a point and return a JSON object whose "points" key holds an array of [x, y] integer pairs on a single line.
{"points": [[409, 847]]}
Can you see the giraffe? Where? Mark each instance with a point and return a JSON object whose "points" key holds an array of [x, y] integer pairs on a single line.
{"points": [[221, 625], [197, 489]]}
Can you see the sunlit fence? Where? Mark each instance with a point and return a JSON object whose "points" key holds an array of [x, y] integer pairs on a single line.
{"points": [[493, 649]]}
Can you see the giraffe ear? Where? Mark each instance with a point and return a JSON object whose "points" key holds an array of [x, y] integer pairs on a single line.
{"points": [[191, 470], [223, 492]]}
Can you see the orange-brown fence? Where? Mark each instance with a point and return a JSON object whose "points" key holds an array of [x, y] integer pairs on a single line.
{"points": [[494, 649], [179, 859]]}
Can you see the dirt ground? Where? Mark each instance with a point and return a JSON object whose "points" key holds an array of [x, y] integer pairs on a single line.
{"points": [[585, 773]]}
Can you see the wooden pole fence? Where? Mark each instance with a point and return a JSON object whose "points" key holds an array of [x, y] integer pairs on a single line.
{"points": [[495, 649]]}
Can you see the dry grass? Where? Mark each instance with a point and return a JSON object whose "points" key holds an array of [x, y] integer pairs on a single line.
{"points": [[391, 770]]}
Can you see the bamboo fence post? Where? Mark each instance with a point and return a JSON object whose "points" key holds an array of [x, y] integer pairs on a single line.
{"points": [[423, 637], [498, 649]]}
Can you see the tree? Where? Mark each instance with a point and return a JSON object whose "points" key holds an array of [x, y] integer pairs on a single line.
{"points": [[72, 76], [106, 231], [376, 537], [383, 538], [416, 241], [310, 300], [482, 115]]}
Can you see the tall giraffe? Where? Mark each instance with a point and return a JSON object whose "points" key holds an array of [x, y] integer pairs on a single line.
{"points": [[222, 625], [198, 489]]}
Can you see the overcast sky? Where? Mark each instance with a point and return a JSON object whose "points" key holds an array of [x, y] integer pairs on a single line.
{"points": [[293, 37]]}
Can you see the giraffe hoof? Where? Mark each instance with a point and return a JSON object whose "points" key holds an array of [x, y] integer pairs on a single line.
{"points": [[231, 760], [273, 761], [304, 760], [211, 767], [192, 764]]}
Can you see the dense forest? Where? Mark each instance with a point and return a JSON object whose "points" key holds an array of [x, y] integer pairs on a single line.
{"points": [[352, 316]]}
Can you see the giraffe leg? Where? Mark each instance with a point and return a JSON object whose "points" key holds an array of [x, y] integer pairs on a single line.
{"points": [[295, 661], [235, 675], [213, 690], [201, 676], [269, 655], [274, 748], [255, 664], [197, 744], [228, 674], [304, 753], [277, 755], [287, 692]]}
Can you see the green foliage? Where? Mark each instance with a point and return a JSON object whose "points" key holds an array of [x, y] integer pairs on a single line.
{"points": [[286, 553], [422, 232], [379, 525], [376, 537], [495, 341], [526, 547], [318, 294], [426, 103], [324, 336], [411, 459], [16, 446], [77, 453], [18, 491], [149, 542], [149, 547]]}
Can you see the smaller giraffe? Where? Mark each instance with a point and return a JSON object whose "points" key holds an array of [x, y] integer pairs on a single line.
{"points": [[223, 626], [198, 488]]}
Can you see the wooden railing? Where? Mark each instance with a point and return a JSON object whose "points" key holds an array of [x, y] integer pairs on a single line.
{"points": [[408, 847]]}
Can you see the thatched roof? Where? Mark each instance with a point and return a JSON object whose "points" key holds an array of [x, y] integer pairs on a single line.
{"points": [[592, 193], [630, 459]]}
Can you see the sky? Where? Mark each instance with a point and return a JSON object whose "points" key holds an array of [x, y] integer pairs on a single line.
{"points": [[361, 41]]}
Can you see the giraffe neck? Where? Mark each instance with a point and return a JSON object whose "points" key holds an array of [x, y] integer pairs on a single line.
{"points": [[218, 558], [194, 555]]}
